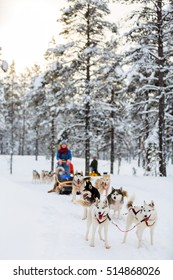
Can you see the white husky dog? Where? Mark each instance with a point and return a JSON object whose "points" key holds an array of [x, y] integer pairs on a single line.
{"points": [[144, 217], [98, 216], [77, 184]]}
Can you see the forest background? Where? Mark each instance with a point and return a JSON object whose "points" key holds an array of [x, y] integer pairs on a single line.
{"points": [[107, 88]]}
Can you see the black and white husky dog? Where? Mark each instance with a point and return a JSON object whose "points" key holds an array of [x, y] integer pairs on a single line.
{"points": [[98, 217], [143, 217], [116, 200], [89, 195]]}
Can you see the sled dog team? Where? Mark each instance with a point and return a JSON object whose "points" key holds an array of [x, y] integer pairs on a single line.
{"points": [[97, 210], [44, 177], [98, 201]]}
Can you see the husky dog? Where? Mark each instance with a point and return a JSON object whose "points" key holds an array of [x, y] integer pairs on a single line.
{"points": [[98, 216], [90, 193], [103, 183], [144, 217], [35, 176], [116, 200], [77, 184], [47, 176]]}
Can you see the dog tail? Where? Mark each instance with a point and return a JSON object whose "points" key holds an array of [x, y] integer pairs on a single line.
{"points": [[130, 202], [83, 203]]}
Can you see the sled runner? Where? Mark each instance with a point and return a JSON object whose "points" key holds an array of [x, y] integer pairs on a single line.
{"points": [[64, 183]]}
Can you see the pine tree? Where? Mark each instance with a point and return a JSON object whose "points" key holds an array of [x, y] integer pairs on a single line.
{"points": [[3, 68], [24, 135], [58, 88], [150, 58], [84, 24], [110, 97], [11, 112], [36, 97]]}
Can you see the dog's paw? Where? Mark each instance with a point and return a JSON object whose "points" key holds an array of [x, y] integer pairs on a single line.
{"points": [[92, 245], [107, 246]]}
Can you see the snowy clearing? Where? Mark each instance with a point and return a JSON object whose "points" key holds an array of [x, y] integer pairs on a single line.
{"points": [[38, 226]]}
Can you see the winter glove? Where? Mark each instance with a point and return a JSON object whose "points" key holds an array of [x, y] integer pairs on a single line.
{"points": [[60, 161]]}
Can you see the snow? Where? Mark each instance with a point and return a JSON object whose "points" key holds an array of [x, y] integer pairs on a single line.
{"points": [[38, 82], [36, 225], [4, 66]]}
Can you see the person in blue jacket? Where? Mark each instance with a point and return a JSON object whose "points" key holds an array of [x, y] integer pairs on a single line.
{"points": [[64, 156]]}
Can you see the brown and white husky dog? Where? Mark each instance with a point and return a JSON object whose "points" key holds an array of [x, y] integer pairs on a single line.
{"points": [[103, 183]]}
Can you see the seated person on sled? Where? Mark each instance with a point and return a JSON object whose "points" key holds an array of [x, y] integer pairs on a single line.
{"points": [[64, 157], [64, 168]]}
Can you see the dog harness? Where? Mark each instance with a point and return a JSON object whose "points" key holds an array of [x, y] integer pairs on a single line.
{"points": [[146, 220], [136, 212], [100, 222]]}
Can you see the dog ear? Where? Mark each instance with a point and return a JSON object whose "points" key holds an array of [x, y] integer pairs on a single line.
{"points": [[113, 189], [152, 203], [124, 193], [145, 203]]}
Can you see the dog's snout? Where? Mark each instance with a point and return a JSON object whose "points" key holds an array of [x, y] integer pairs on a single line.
{"points": [[99, 213]]}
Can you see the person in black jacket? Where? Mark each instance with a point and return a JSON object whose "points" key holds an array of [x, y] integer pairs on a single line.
{"points": [[94, 165]]}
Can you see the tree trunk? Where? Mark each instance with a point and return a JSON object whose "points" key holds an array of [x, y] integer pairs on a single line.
{"points": [[162, 160], [87, 138], [139, 152], [23, 133], [36, 143], [112, 151], [11, 162], [52, 142], [87, 107], [147, 128]]}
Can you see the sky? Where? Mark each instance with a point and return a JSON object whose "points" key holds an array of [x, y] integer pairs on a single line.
{"points": [[27, 27]]}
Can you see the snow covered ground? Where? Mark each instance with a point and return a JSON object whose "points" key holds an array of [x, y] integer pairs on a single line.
{"points": [[36, 225]]}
